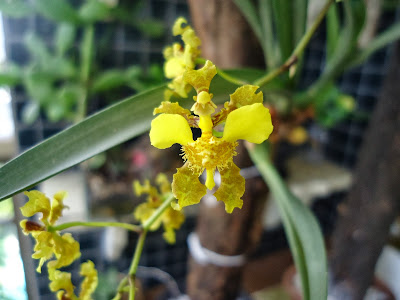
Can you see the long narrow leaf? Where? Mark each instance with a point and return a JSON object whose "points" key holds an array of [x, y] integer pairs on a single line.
{"points": [[332, 31], [300, 8], [282, 15], [305, 237], [388, 36], [97, 133], [272, 56], [57, 10]]}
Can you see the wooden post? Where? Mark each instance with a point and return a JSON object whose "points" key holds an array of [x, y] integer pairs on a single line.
{"points": [[374, 200]]}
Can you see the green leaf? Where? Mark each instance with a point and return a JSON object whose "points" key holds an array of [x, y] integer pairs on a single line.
{"points": [[302, 229], [109, 80], [271, 53], [15, 8], [97, 133], [37, 49], [250, 13], [30, 112], [151, 28], [93, 10], [94, 135], [39, 87], [86, 52], [299, 9], [332, 31], [387, 37], [354, 12], [10, 75], [57, 10], [65, 38], [282, 14]]}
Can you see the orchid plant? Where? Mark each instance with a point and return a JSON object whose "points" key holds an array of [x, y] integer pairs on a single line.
{"points": [[244, 117]]}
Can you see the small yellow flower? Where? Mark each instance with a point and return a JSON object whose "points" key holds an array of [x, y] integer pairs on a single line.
{"points": [[170, 219], [48, 242], [245, 118], [61, 283], [179, 59]]}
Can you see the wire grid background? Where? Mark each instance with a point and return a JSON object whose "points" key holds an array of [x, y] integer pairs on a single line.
{"points": [[128, 47]]}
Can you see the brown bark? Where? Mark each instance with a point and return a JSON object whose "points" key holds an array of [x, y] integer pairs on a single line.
{"points": [[227, 234], [227, 40], [374, 199]]}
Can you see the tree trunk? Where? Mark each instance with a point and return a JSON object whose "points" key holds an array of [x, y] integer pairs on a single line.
{"points": [[226, 38], [228, 42], [374, 199], [227, 234]]}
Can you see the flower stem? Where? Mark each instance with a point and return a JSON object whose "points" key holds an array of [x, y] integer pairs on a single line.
{"points": [[135, 264], [158, 212], [140, 244], [293, 58], [127, 226]]}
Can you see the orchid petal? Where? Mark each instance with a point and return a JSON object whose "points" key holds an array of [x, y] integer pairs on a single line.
{"points": [[168, 129], [251, 123]]}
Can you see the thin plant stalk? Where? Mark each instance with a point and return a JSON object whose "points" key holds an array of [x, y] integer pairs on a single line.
{"points": [[293, 58]]}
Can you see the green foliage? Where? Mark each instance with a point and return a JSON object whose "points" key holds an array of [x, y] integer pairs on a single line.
{"points": [[61, 83], [15, 8], [10, 75], [302, 229]]}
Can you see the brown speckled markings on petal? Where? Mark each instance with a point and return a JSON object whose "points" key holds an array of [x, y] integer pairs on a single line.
{"points": [[232, 187], [187, 187]]}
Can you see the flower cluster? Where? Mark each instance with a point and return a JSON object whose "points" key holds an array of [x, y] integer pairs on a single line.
{"points": [[245, 118], [170, 219], [180, 58], [50, 243]]}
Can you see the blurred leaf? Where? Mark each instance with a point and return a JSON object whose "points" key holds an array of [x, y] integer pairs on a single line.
{"points": [[55, 110], [109, 80], [10, 75], [30, 112], [302, 230], [156, 71], [60, 68], [332, 106], [37, 49], [299, 8], [354, 12], [249, 11], [150, 27], [87, 52], [133, 72], [57, 10], [271, 53], [15, 8], [332, 31], [97, 161], [70, 94], [39, 87], [388, 36], [94, 10], [97, 133], [65, 38], [282, 14]]}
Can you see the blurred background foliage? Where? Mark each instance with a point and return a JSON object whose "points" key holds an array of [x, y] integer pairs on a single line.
{"points": [[62, 78]]}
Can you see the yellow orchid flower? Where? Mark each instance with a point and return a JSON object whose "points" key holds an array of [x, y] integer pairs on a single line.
{"points": [[245, 118], [61, 283], [48, 242], [180, 58], [170, 219]]}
